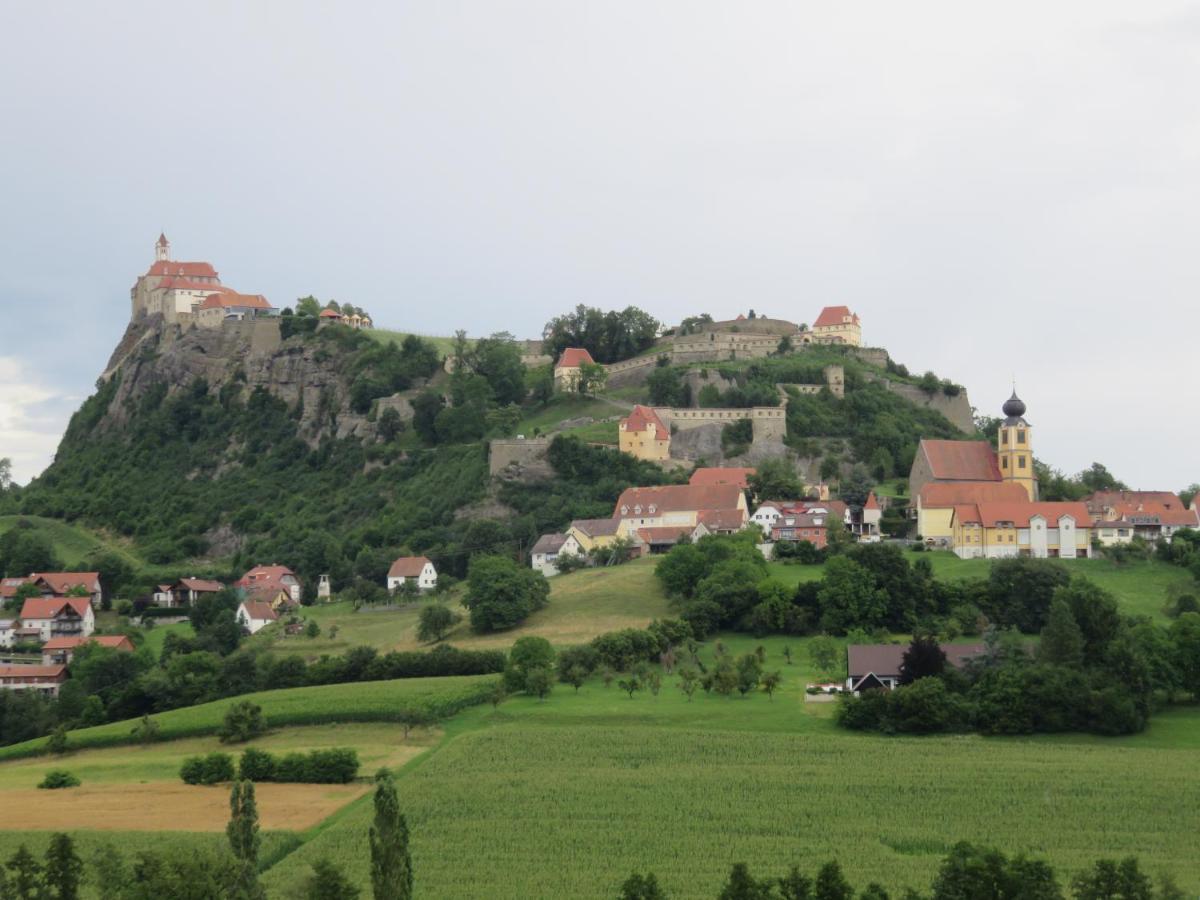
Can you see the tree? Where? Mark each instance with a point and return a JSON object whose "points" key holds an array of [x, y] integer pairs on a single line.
{"points": [[849, 598], [435, 621], [1185, 638], [630, 685], [1110, 880], [855, 487], [770, 683], [5, 473], [308, 306], [539, 681], [312, 629], [592, 378], [923, 658], [389, 425], [823, 651], [242, 830], [1062, 641], [64, 869], [689, 678], [243, 720], [391, 865], [743, 886], [969, 873], [749, 671], [576, 676], [641, 887], [527, 654], [831, 884], [776, 479], [427, 405], [725, 677], [665, 386], [57, 742], [328, 882], [25, 876], [500, 593]]}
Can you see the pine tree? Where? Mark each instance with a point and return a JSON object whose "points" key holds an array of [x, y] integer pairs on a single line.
{"points": [[242, 829], [64, 868], [831, 883], [391, 866], [1062, 638], [25, 876]]}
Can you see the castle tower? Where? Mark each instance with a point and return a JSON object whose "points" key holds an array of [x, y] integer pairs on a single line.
{"points": [[1014, 447], [162, 249]]}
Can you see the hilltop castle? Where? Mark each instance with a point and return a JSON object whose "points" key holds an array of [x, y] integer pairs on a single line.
{"points": [[190, 293]]}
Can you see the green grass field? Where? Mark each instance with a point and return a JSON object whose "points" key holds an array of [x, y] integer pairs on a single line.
{"points": [[72, 543], [445, 345], [563, 407], [158, 634]]}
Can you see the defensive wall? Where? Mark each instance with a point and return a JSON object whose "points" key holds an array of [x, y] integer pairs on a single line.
{"points": [[516, 454], [768, 422]]}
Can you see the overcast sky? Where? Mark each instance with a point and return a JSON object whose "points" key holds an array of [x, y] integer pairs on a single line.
{"points": [[1000, 191]]}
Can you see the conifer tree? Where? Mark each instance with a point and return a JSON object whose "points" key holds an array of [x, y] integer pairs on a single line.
{"points": [[64, 869], [328, 882], [391, 865], [242, 829], [1062, 638], [24, 876]]}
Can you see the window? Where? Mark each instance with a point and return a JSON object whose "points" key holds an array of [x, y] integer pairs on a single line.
{"points": [[1004, 462], [1020, 462], [1020, 435], [1003, 435]]}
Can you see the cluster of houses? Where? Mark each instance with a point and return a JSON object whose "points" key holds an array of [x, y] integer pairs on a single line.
{"points": [[651, 520], [982, 501]]}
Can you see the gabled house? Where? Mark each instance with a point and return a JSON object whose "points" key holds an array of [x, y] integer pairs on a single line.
{"points": [[56, 584], [836, 325], [680, 504], [549, 547], [663, 538], [416, 570], [1041, 530], [59, 617], [277, 585], [802, 526], [1120, 516], [61, 650], [187, 591], [871, 666], [43, 679], [934, 504], [864, 523], [569, 368], [643, 435], [772, 513], [593, 534], [254, 615]]}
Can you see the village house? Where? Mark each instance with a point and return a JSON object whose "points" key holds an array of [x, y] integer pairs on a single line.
{"points": [[728, 475], [255, 615], [416, 570], [61, 650], [934, 505], [802, 526], [878, 665], [186, 591], [569, 368], [549, 548], [643, 435], [663, 538], [58, 617], [835, 325], [43, 679], [769, 512], [56, 584], [593, 534], [276, 584], [217, 309], [1010, 461], [864, 523], [1120, 516], [8, 628], [678, 505], [1040, 530]]}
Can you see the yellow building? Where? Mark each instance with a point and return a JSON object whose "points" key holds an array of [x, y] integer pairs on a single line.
{"points": [[835, 325], [936, 501], [1040, 530], [591, 534], [643, 435], [1014, 447], [569, 368]]}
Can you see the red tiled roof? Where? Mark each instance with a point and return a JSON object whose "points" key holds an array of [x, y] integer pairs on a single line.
{"points": [[961, 460], [61, 582], [199, 584], [833, 508], [1162, 506], [937, 495], [51, 607], [8, 587], [58, 671], [1019, 514], [116, 641], [731, 475], [184, 269], [677, 498], [408, 567], [573, 358], [228, 299], [597, 527], [260, 610], [264, 572], [664, 535], [329, 314], [871, 503], [833, 315], [643, 416], [722, 519]]}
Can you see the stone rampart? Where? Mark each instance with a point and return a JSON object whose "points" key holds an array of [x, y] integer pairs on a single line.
{"points": [[509, 455]]}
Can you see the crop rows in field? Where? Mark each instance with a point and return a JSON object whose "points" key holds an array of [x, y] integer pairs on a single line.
{"points": [[374, 701], [519, 810]]}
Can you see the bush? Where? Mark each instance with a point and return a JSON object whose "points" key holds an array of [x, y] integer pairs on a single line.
{"points": [[256, 765], [622, 650], [59, 778], [243, 721], [338, 765], [211, 769]]}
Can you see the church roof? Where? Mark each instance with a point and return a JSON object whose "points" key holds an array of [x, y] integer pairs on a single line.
{"points": [[162, 240], [943, 495], [961, 460], [182, 269], [834, 315]]}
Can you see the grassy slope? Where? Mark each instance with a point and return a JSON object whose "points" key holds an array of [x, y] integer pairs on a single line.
{"points": [[72, 543], [686, 789], [445, 345], [582, 605]]}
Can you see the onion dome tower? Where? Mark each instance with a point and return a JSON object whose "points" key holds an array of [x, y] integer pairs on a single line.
{"points": [[1014, 447]]}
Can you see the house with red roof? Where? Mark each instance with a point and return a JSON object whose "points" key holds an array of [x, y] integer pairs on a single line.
{"points": [[568, 369], [934, 504], [644, 435], [418, 570], [999, 530], [61, 650], [44, 679], [255, 615], [186, 591], [229, 306], [56, 584], [275, 584], [58, 617], [677, 505], [1120, 516], [835, 325], [864, 523], [727, 475]]}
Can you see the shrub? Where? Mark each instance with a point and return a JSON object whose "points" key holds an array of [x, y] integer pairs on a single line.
{"points": [[58, 778], [243, 721], [621, 650], [338, 765], [256, 765], [211, 769]]}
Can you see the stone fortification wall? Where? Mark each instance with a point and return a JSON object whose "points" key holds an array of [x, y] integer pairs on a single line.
{"points": [[760, 325], [956, 409], [872, 356], [514, 457], [769, 422]]}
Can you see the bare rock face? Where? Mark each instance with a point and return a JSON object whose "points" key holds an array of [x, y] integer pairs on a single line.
{"points": [[242, 356]]}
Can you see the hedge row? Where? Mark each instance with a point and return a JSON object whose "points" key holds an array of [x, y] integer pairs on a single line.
{"points": [[444, 661], [334, 766]]}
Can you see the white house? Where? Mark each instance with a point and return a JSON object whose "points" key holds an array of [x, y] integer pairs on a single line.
{"points": [[254, 615], [7, 627], [417, 569], [59, 616], [44, 679], [549, 548]]}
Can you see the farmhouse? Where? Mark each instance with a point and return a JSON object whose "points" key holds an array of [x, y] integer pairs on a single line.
{"points": [[254, 615], [56, 584], [678, 505], [642, 434], [186, 591], [935, 504], [549, 548], [592, 534], [1040, 530], [1120, 516], [878, 665], [730, 475], [43, 679], [277, 585], [60, 650], [835, 325], [59, 617], [416, 570], [569, 368]]}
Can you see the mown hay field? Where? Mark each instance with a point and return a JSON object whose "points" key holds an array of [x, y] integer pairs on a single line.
{"points": [[527, 808], [374, 701]]}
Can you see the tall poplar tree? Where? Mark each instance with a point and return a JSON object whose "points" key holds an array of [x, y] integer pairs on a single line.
{"points": [[391, 865], [64, 868], [244, 838]]}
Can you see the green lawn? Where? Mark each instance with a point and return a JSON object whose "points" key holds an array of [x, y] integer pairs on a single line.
{"points": [[156, 635], [445, 345], [72, 543], [562, 407]]}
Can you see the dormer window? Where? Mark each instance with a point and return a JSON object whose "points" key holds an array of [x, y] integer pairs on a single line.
{"points": [[637, 510], [652, 508], [624, 510]]}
